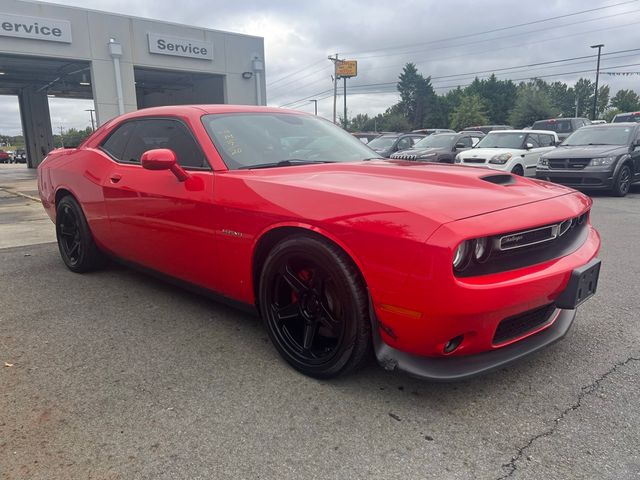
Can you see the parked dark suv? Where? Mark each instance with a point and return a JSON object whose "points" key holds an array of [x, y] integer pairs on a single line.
{"points": [[597, 157], [440, 147], [562, 126], [387, 144], [20, 156]]}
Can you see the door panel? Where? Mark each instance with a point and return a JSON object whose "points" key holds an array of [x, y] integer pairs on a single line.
{"points": [[161, 223]]}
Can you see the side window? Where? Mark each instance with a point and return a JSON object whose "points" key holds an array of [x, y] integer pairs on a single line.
{"points": [[474, 141], [117, 141], [533, 139], [415, 140], [545, 140], [162, 133], [466, 141], [404, 143]]}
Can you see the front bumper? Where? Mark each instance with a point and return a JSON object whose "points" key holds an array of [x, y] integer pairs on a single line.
{"points": [[451, 369], [580, 179]]}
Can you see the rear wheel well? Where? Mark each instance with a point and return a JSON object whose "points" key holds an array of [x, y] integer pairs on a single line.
{"points": [[275, 236]]}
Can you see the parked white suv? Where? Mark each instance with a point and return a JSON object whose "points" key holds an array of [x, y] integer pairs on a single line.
{"points": [[515, 151]]}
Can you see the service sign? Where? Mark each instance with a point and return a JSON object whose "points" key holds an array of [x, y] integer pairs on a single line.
{"points": [[36, 28], [179, 47], [347, 68]]}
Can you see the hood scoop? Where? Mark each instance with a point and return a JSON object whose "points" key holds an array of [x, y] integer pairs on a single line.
{"points": [[500, 179]]}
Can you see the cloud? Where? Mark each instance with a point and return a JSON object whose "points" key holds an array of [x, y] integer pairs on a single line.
{"points": [[383, 36]]}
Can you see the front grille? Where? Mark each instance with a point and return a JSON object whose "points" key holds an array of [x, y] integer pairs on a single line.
{"points": [[518, 249], [568, 163], [519, 325], [474, 160], [402, 156]]}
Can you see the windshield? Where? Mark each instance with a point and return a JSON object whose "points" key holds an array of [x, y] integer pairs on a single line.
{"points": [[600, 135], [382, 142], [436, 141], [558, 126], [502, 140], [627, 117], [251, 139]]}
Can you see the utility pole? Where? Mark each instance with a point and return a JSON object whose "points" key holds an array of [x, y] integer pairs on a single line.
{"points": [[344, 96], [595, 95], [61, 137], [93, 125], [577, 103], [315, 106], [335, 61]]}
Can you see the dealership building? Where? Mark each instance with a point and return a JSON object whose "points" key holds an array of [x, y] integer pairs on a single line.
{"points": [[122, 63]]}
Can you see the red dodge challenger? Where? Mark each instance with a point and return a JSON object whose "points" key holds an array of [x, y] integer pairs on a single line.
{"points": [[444, 271]]}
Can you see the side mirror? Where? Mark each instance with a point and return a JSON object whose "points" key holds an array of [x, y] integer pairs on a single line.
{"points": [[635, 144], [460, 145], [163, 159], [528, 146]]}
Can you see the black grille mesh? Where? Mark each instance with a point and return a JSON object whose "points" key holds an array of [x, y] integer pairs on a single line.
{"points": [[514, 327]]}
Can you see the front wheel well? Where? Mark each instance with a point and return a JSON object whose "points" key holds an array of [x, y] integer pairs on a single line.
{"points": [[62, 193], [275, 236]]}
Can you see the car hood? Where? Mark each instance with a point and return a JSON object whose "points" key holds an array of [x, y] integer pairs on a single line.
{"points": [[489, 152], [422, 151], [439, 192], [587, 151]]}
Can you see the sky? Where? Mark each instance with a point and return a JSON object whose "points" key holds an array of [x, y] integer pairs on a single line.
{"points": [[451, 41]]}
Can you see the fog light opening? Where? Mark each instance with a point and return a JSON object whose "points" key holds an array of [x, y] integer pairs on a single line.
{"points": [[452, 344]]}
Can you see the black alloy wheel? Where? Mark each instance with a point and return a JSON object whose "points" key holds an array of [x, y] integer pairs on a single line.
{"points": [[315, 306], [623, 182], [75, 242]]}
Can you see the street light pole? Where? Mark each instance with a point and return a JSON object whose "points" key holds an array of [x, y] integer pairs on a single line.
{"points": [[315, 106], [595, 95], [93, 125]]}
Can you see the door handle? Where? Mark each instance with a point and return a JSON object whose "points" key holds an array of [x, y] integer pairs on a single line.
{"points": [[115, 178]]}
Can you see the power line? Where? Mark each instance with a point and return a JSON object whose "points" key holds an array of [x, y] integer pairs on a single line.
{"points": [[296, 72], [468, 35], [470, 73], [449, 57]]}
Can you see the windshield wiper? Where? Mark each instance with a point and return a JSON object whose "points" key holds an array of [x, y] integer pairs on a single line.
{"points": [[284, 163]]}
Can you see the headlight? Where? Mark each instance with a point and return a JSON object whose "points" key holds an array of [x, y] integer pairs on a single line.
{"points": [[602, 161], [461, 255], [427, 155], [500, 159], [481, 249], [543, 162]]}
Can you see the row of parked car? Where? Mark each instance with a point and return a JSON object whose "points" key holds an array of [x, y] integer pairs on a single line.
{"points": [[571, 151], [11, 156]]}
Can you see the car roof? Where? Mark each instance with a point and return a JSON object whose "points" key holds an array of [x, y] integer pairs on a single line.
{"points": [[524, 131]]}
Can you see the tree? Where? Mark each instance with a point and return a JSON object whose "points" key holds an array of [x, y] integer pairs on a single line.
{"points": [[532, 104], [609, 114], [358, 123], [394, 123], [584, 89], [416, 95], [603, 100], [498, 96], [470, 111], [626, 101]]}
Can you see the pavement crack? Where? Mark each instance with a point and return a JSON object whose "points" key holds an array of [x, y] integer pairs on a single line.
{"points": [[585, 391]]}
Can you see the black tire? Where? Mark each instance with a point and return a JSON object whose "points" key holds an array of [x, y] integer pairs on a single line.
{"points": [[315, 306], [75, 241], [622, 182], [518, 170]]}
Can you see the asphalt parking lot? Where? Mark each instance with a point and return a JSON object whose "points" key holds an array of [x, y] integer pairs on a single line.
{"points": [[115, 375]]}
